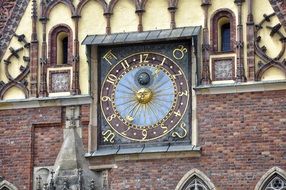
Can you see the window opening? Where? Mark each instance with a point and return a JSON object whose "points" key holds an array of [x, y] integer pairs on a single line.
{"points": [[225, 37], [65, 50]]}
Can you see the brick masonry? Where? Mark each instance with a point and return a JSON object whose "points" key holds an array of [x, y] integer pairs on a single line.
{"points": [[47, 142], [241, 135], [28, 138]]}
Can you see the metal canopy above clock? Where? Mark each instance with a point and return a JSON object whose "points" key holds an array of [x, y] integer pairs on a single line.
{"points": [[147, 36], [144, 87]]}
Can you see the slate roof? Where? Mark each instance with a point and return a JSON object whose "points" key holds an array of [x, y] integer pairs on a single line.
{"points": [[130, 37]]}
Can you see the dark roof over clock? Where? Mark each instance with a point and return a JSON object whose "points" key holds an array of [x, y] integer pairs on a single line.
{"points": [[131, 37]]}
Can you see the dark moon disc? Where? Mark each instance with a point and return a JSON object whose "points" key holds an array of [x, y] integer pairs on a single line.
{"points": [[144, 78]]}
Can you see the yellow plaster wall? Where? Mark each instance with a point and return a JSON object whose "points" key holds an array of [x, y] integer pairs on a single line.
{"points": [[92, 22], [156, 15], [273, 73], [124, 18], [185, 17], [14, 93]]}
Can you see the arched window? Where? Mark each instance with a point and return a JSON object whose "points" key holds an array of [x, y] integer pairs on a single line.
{"points": [[223, 32], [274, 179], [195, 180], [60, 45]]}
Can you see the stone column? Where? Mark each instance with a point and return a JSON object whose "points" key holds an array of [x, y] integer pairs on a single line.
{"points": [[76, 87], [206, 80], [44, 60], [34, 53], [240, 72], [250, 42]]}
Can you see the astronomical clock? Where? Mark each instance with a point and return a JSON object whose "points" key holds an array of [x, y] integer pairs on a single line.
{"points": [[145, 93]]}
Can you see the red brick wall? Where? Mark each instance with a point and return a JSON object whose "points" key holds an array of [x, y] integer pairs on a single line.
{"points": [[30, 138], [85, 122], [47, 143], [242, 136], [16, 134]]}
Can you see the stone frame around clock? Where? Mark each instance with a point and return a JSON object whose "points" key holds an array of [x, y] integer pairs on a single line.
{"points": [[183, 98], [92, 53]]}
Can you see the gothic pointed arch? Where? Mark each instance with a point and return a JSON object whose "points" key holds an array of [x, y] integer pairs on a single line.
{"points": [[195, 179], [5, 185], [110, 7], [273, 179], [84, 2], [52, 4]]}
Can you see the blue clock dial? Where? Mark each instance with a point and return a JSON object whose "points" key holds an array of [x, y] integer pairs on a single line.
{"points": [[141, 102]]}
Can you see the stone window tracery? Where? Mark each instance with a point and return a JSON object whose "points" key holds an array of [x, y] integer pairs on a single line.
{"points": [[195, 184], [275, 183], [195, 180], [273, 179]]}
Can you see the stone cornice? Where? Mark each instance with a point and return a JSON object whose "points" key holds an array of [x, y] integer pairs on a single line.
{"points": [[45, 102], [241, 87]]}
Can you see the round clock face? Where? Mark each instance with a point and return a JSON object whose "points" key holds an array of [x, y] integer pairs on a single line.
{"points": [[144, 96]]}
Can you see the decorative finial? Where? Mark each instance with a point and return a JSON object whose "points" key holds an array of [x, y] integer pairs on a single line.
{"points": [[34, 9]]}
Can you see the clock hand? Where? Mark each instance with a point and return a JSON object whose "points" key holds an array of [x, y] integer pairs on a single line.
{"points": [[127, 87], [129, 117], [135, 112], [157, 71]]}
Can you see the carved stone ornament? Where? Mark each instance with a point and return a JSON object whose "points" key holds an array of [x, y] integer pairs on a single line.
{"points": [[223, 69], [20, 80], [261, 51], [59, 80]]}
